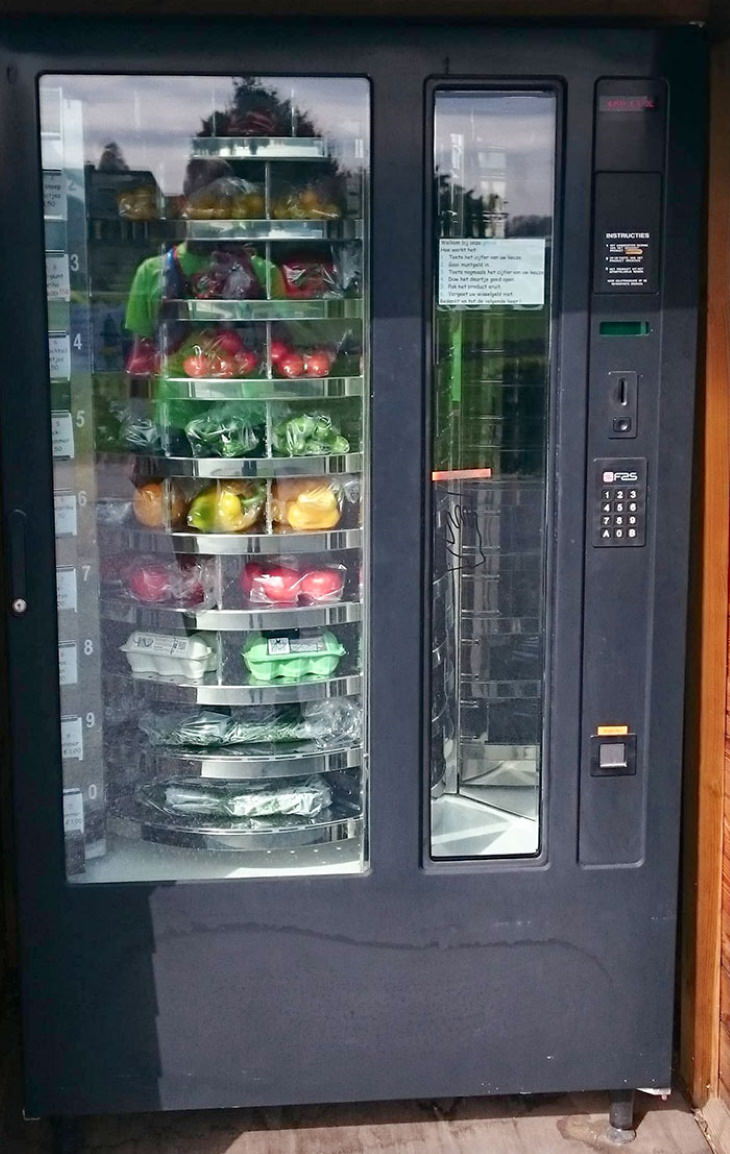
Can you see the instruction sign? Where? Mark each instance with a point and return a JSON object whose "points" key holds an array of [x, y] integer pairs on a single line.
{"points": [[484, 273]]}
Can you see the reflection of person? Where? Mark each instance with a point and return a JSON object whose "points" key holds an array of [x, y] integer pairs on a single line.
{"points": [[185, 261]]}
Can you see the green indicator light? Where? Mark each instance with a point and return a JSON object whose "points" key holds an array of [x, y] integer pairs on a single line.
{"points": [[625, 328]]}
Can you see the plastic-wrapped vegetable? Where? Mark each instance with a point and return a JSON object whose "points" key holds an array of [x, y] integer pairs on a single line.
{"points": [[229, 276], [227, 506], [257, 799], [224, 431], [228, 198], [178, 581], [308, 435], [306, 504], [337, 721], [308, 276]]}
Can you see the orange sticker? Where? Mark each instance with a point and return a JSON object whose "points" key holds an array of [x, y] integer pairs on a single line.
{"points": [[611, 730]]}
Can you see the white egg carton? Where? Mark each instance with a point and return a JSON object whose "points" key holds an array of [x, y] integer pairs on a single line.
{"points": [[170, 656]]}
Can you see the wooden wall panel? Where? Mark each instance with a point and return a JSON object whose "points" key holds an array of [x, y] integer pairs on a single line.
{"points": [[705, 1039]]}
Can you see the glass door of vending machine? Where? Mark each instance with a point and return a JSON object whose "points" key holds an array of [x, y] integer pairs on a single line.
{"points": [[207, 273], [346, 431]]}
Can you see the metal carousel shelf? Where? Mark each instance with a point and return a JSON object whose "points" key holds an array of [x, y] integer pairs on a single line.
{"points": [[333, 308], [125, 538], [208, 692], [260, 147], [300, 761], [250, 389], [131, 819], [129, 612], [212, 468]]}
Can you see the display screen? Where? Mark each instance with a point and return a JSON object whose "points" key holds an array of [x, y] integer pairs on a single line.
{"points": [[208, 340], [493, 205]]}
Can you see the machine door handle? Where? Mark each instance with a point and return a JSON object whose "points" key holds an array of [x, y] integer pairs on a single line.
{"points": [[17, 522]]}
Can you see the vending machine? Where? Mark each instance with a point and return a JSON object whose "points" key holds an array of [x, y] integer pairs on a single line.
{"points": [[347, 419]]}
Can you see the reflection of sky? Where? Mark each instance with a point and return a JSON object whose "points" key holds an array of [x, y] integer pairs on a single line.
{"points": [[154, 118], [500, 139]]}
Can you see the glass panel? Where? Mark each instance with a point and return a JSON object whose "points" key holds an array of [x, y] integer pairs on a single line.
{"points": [[494, 164], [207, 273]]}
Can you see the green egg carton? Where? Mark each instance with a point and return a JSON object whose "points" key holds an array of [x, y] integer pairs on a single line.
{"points": [[290, 657]]}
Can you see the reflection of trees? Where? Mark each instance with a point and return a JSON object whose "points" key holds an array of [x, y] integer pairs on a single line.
{"points": [[465, 213], [257, 110]]}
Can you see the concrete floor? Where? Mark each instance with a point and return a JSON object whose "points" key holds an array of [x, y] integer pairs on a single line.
{"points": [[568, 1124]]}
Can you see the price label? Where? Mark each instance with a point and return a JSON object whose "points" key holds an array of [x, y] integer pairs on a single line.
{"points": [[72, 739], [59, 356], [73, 811], [66, 589], [65, 513], [68, 663], [57, 281], [54, 198], [62, 435]]}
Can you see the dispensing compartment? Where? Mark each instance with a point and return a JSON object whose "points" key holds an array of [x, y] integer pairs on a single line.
{"points": [[211, 450], [493, 207]]}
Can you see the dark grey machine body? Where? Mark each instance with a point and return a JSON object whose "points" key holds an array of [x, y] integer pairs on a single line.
{"points": [[417, 979]]}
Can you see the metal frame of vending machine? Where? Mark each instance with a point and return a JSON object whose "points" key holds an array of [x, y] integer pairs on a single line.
{"points": [[455, 814]]}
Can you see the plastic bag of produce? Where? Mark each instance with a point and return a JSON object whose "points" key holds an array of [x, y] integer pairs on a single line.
{"points": [[286, 582], [230, 276], [307, 276], [180, 581], [228, 198], [308, 434], [317, 200], [225, 431], [227, 506], [257, 799], [334, 722]]}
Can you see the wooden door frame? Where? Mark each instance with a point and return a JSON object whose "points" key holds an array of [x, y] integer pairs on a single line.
{"points": [[705, 789]]}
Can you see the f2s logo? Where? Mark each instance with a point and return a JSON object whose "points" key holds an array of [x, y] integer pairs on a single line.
{"points": [[610, 477]]}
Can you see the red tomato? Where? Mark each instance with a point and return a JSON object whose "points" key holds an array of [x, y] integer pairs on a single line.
{"points": [[149, 582], [278, 350], [249, 574], [246, 362], [276, 584], [223, 367], [322, 584], [197, 365], [229, 342], [317, 363], [292, 365]]}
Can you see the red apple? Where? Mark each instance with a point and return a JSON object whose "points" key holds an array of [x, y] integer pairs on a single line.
{"points": [[149, 582], [229, 342], [277, 584], [292, 365], [322, 584], [249, 574], [317, 363], [246, 362], [197, 364], [278, 350]]}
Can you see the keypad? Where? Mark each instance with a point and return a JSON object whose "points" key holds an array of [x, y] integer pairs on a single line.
{"points": [[619, 517]]}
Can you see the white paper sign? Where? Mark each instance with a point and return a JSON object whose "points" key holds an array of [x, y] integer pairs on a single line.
{"points": [[72, 739], [62, 435], [59, 356], [64, 511], [66, 588], [483, 273], [57, 283], [73, 811], [54, 201], [68, 663]]}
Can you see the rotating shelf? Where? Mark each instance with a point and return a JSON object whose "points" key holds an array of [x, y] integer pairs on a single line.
{"points": [[131, 819], [260, 147], [208, 692], [212, 468], [258, 763], [264, 310], [256, 389], [125, 230], [122, 539], [130, 612]]}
